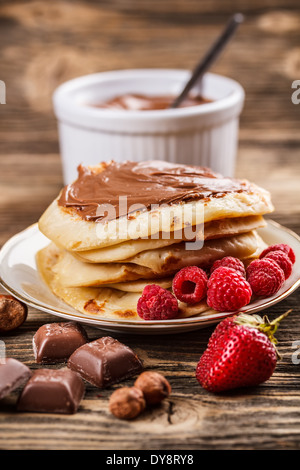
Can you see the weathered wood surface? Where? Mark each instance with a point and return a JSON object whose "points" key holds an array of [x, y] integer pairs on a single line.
{"points": [[45, 43]]}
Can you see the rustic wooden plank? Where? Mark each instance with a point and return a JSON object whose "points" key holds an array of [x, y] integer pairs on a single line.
{"points": [[33, 65]]}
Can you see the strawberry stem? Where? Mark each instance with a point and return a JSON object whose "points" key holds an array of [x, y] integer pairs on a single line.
{"points": [[262, 324]]}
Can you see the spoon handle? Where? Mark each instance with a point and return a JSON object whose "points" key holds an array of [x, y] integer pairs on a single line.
{"points": [[210, 57]]}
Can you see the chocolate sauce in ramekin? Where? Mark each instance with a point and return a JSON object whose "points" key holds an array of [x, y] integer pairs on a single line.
{"points": [[136, 102]]}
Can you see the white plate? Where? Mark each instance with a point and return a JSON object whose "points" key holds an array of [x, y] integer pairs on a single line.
{"points": [[19, 276]]}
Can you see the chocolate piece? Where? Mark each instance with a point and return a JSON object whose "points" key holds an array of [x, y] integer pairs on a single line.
{"points": [[55, 342], [104, 362], [12, 375], [13, 313], [52, 391], [136, 102], [143, 184]]}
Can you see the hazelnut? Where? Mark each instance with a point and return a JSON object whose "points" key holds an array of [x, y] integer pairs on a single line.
{"points": [[127, 402], [13, 313], [154, 386]]}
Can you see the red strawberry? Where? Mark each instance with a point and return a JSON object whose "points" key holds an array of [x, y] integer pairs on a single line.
{"points": [[241, 353]]}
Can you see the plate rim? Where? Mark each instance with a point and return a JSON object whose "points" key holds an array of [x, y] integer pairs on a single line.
{"points": [[189, 321]]}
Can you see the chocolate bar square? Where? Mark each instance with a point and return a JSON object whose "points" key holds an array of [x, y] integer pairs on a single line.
{"points": [[55, 342], [13, 374], [52, 391], [104, 362]]}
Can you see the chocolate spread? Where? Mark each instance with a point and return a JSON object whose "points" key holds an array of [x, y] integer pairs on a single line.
{"points": [[143, 184], [135, 102]]}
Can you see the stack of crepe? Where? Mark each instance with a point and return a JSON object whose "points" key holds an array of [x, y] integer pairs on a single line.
{"points": [[103, 253]]}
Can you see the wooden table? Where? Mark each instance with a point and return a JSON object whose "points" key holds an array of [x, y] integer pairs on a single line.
{"points": [[46, 43]]}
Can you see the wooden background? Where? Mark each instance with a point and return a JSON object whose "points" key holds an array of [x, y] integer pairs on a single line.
{"points": [[46, 43]]}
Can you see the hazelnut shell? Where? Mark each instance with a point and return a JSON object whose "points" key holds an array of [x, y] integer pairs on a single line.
{"points": [[13, 313], [154, 386], [127, 402]]}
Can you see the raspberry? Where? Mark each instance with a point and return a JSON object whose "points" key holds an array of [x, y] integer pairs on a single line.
{"points": [[229, 262], [265, 277], [283, 261], [228, 290], [157, 303], [190, 284], [281, 247]]}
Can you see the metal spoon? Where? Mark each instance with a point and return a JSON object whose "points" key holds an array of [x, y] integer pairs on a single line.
{"points": [[210, 57]]}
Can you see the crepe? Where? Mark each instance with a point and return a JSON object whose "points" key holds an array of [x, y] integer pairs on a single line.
{"points": [[200, 196], [172, 259], [140, 284], [72, 272], [153, 264], [130, 248], [106, 303]]}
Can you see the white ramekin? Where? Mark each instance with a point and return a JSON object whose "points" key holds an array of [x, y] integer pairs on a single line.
{"points": [[205, 135]]}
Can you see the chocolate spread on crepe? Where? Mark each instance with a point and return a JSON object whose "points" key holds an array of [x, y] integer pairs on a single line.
{"points": [[143, 184]]}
